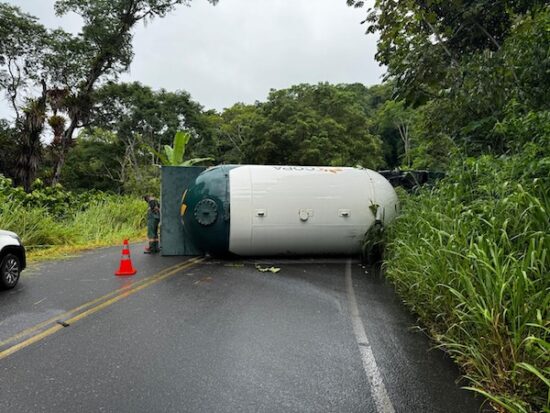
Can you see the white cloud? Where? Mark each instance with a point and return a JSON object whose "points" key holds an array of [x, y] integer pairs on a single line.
{"points": [[239, 49]]}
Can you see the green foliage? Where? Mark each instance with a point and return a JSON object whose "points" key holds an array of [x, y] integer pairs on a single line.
{"points": [[307, 124], [131, 126], [22, 43], [7, 140], [173, 155], [145, 180], [464, 67], [131, 109], [424, 44], [372, 250], [54, 201], [53, 217], [66, 68], [176, 153], [143, 123], [110, 221], [235, 127], [470, 257], [432, 128], [96, 162], [304, 125], [395, 115]]}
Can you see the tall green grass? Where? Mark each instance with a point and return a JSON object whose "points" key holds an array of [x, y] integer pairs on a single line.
{"points": [[471, 258], [105, 221], [111, 221]]}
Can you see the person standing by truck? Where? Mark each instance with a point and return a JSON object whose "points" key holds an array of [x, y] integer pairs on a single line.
{"points": [[153, 220]]}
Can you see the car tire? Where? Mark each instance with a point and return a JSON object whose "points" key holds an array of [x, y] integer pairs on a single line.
{"points": [[10, 270]]}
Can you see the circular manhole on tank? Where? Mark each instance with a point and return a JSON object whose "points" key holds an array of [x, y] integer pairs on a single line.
{"points": [[206, 212]]}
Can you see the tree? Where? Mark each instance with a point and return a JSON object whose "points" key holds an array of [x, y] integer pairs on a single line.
{"points": [[97, 161], [65, 69], [461, 64], [310, 125], [132, 109], [106, 48], [237, 126], [29, 144], [424, 42], [145, 120], [395, 115], [7, 138], [22, 48], [22, 43]]}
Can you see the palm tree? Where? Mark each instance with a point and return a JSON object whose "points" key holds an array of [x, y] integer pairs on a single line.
{"points": [[29, 147]]}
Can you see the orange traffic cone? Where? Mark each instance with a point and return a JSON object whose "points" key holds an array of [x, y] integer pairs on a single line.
{"points": [[126, 267]]}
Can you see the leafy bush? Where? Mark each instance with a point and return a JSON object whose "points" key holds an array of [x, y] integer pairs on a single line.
{"points": [[471, 257], [55, 200]]}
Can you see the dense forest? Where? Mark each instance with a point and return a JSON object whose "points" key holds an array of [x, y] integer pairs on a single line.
{"points": [[464, 81], [467, 91], [303, 125]]}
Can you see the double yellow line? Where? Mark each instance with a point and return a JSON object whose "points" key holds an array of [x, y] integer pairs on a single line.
{"points": [[38, 333]]}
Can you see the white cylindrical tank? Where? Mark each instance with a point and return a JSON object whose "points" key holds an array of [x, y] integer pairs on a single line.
{"points": [[281, 210], [286, 210]]}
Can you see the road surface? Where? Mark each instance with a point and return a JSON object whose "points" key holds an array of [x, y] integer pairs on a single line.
{"points": [[321, 335]]}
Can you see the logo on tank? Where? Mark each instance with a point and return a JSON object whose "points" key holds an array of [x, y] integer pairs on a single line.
{"points": [[333, 170]]}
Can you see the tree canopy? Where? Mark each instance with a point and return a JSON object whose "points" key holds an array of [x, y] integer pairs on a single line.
{"points": [[462, 77], [49, 76]]}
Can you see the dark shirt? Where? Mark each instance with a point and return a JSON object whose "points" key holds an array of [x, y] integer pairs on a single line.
{"points": [[154, 208]]}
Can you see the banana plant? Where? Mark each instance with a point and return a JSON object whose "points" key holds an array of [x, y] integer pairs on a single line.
{"points": [[173, 155]]}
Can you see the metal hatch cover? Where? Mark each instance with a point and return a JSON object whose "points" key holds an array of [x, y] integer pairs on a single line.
{"points": [[206, 212]]}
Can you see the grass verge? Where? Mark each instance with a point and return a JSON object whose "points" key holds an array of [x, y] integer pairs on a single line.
{"points": [[471, 258], [102, 222]]}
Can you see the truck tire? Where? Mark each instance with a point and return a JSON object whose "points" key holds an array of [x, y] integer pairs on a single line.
{"points": [[10, 270]]}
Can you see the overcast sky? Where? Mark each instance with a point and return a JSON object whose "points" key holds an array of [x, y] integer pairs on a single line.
{"points": [[238, 50]]}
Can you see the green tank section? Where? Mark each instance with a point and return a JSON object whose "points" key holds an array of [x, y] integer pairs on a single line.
{"points": [[205, 210]]}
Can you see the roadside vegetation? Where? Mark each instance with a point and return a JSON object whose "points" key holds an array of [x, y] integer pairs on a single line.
{"points": [[471, 257], [53, 222]]}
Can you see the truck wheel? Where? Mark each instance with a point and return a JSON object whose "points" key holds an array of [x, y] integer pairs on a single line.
{"points": [[10, 269]]}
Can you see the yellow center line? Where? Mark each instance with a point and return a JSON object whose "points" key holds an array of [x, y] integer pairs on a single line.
{"points": [[66, 314], [122, 293]]}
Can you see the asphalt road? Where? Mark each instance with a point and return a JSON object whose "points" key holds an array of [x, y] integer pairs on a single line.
{"points": [[322, 335]]}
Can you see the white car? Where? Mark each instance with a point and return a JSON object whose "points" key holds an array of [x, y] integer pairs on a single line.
{"points": [[12, 259]]}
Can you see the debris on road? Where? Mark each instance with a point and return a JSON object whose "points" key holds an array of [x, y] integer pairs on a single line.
{"points": [[273, 270], [203, 280]]}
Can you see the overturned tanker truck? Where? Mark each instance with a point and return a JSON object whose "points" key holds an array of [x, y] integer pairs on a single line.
{"points": [[257, 210]]}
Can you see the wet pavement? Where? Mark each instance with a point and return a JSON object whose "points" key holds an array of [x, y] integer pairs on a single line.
{"points": [[216, 336]]}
